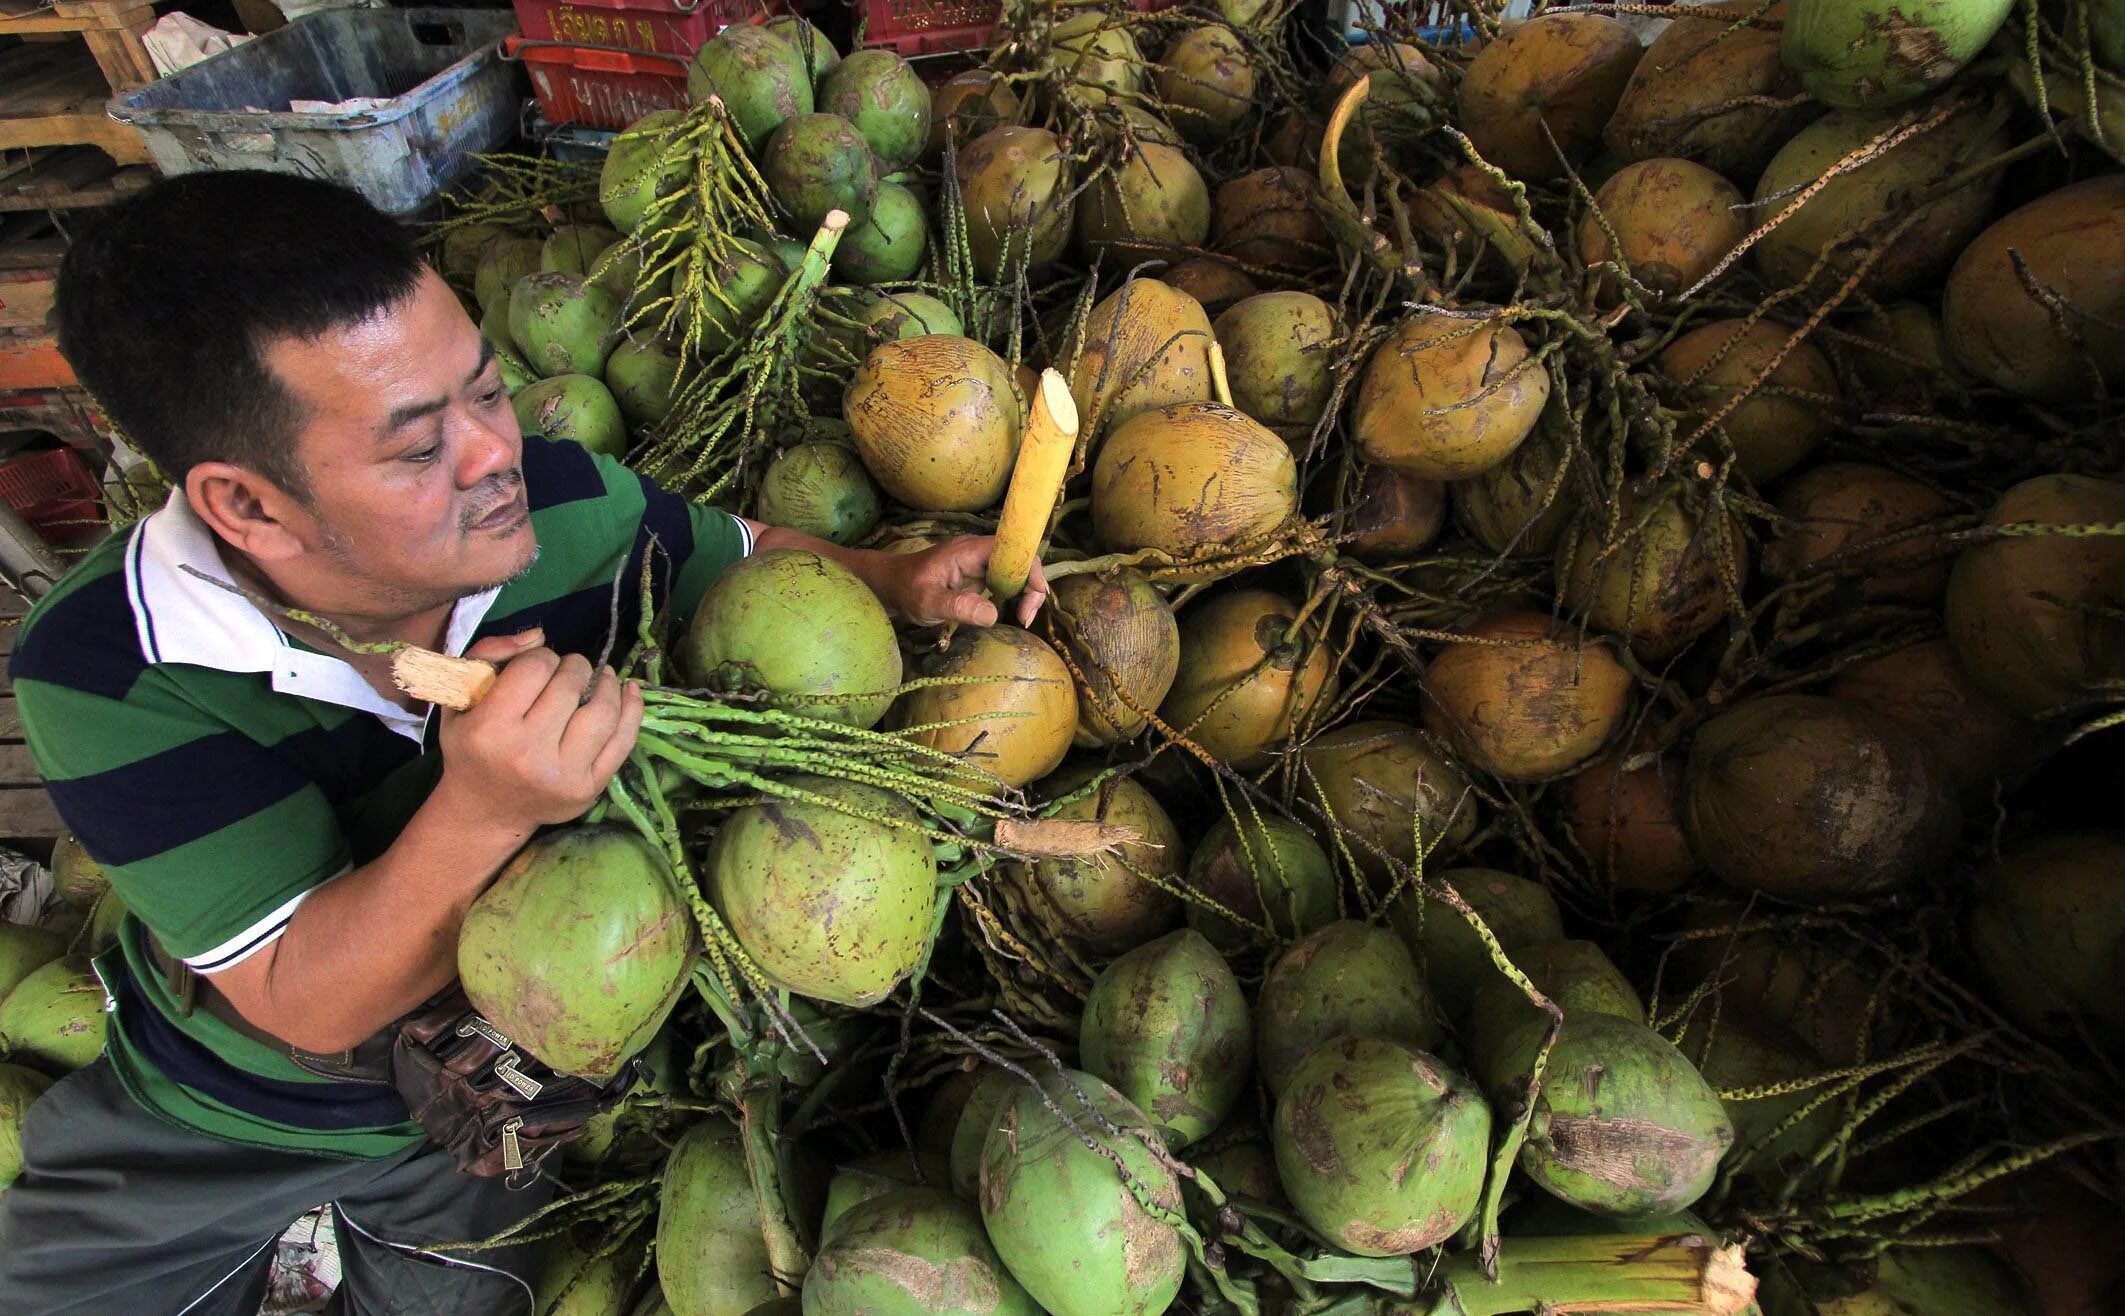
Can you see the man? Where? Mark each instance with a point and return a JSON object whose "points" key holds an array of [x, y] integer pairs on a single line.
{"points": [[296, 841]]}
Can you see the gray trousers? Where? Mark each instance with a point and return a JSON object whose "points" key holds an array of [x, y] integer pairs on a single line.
{"points": [[121, 1213]]}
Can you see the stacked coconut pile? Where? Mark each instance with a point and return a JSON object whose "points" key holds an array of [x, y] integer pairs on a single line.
{"points": [[1589, 596]]}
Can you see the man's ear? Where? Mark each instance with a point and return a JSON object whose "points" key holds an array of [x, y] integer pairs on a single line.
{"points": [[251, 513]]}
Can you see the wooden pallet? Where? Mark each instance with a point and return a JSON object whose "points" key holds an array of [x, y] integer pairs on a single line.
{"points": [[66, 178], [53, 95]]}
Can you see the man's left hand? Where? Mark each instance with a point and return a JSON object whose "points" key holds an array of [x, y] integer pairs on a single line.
{"points": [[944, 584]]}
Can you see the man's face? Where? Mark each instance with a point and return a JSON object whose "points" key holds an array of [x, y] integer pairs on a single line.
{"points": [[416, 488]]}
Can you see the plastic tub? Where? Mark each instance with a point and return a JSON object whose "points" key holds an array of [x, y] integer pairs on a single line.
{"points": [[447, 95]]}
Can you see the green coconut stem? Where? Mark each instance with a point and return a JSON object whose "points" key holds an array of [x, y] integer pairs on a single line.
{"points": [[1613, 1273]]}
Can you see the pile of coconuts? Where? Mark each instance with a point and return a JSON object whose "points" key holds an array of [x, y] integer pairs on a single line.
{"points": [[1589, 589]]}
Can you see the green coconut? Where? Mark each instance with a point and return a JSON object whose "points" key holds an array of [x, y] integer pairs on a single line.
{"points": [[762, 80], [1270, 872], [579, 949], [1380, 1146], [24, 950], [1806, 798], [1838, 220], [2048, 930], [575, 409], [888, 246], [819, 53], [1015, 185], [711, 1257], [575, 248], [1349, 979], [642, 372], [1100, 901], [876, 1174], [821, 489], [79, 879], [883, 96], [742, 282], [19, 1090], [1121, 634], [1153, 202], [909, 315], [816, 163], [1872, 54], [629, 181], [1167, 1025], [1661, 587], [1456, 963], [911, 1252], [1070, 1229], [505, 263], [1574, 974], [849, 663], [572, 1282], [1206, 82], [980, 1117], [831, 905], [1279, 358], [54, 1017], [1388, 784], [562, 325], [1623, 1125], [1935, 1281]]}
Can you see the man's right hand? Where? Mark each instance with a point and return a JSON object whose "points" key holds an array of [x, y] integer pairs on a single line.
{"points": [[539, 748]]}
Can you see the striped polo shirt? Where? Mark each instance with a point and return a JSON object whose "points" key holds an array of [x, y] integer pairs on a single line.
{"points": [[221, 770]]}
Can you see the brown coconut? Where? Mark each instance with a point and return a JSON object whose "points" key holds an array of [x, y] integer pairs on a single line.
{"points": [[966, 105], [1266, 218], [1144, 346], [1127, 646], [2054, 349], [1206, 82], [2035, 619], [1659, 587], [1279, 349], [1017, 728], [1395, 515], [1387, 783], [1234, 653], [1537, 702], [1669, 222], [936, 421], [1154, 202], [1563, 70], [1628, 821], [1215, 284], [1446, 397], [1923, 686], [1014, 182], [1771, 434], [1711, 91], [1833, 513], [1813, 799], [1191, 476]]}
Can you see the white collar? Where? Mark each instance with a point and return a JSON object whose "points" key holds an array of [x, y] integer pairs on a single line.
{"points": [[183, 619]]}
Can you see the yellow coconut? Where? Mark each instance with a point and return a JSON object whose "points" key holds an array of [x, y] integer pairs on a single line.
{"points": [[1144, 346], [1834, 512], [1267, 218], [1014, 183], [936, 421], [1154, 202], [1771, 433], [1713, 90], [1214, 283], [1206, 81], [1566, 71], [1190, 476], [1395, 515], [1122, 636], [2072, 242], [1669, 222], [1236, 655], [1279, 349], [1446, 397], [1528, 699], [1660, 585], [1017, 728]]}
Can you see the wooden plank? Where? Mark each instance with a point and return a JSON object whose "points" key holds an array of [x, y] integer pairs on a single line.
{"points": [[25, 299], [17, 768], [33, 361], [27, 814]]}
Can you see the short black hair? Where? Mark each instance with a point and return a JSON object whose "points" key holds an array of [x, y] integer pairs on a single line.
{"points": [[169, 299]]}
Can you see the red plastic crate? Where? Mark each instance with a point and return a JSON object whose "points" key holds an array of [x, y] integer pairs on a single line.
{"points": [[600, 88], [668, 27], [54, 491]]}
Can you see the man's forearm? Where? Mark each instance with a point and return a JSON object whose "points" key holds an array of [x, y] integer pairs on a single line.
{"points": [[375, 942]]}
